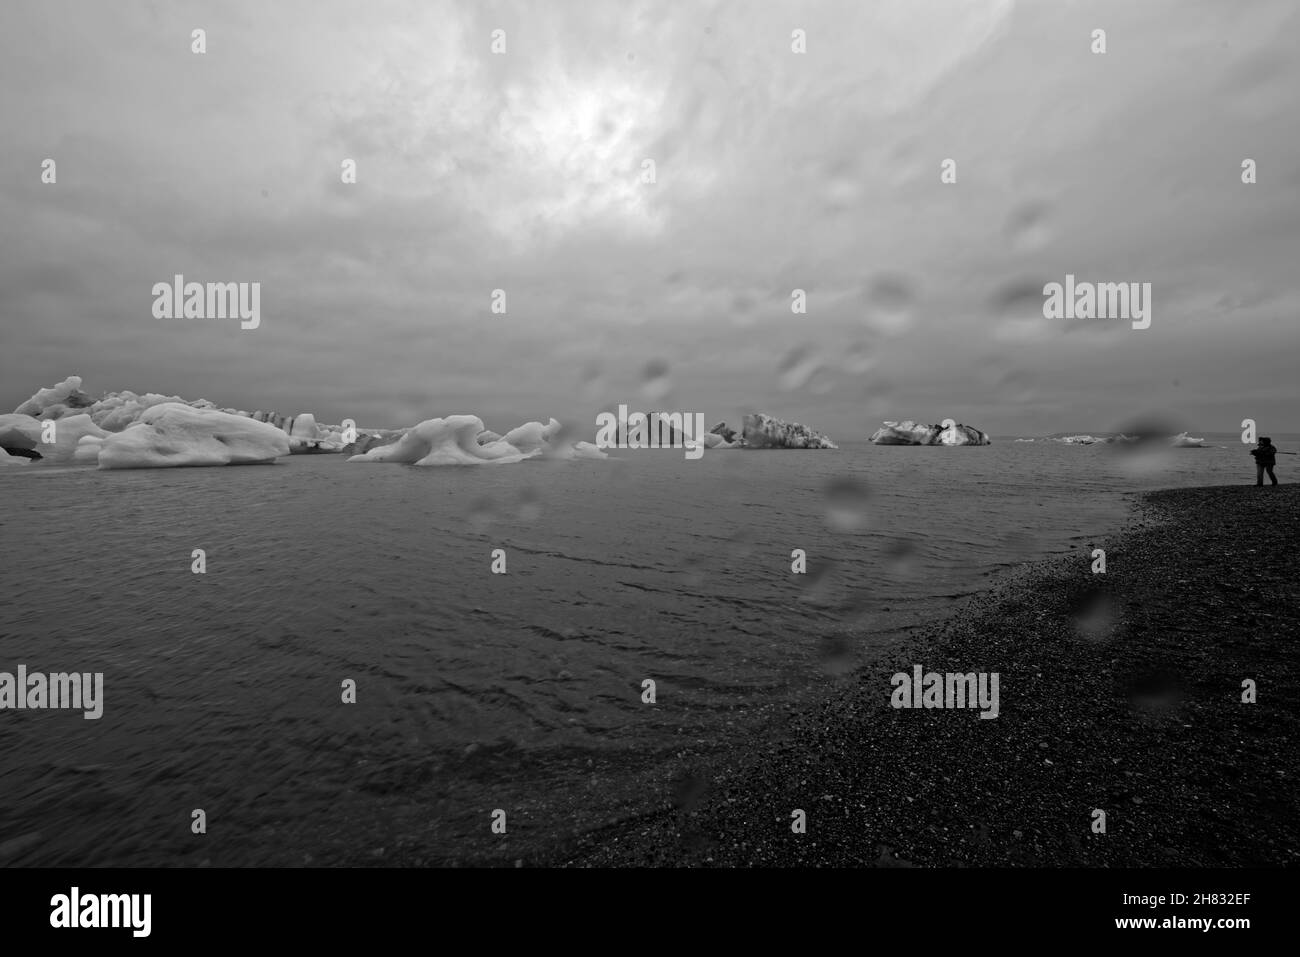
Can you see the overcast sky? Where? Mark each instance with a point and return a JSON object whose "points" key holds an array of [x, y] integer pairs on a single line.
{"points": [[774, 171]]}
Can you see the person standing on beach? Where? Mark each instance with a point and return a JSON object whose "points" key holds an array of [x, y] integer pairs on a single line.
{"points": [[1265, 459]]}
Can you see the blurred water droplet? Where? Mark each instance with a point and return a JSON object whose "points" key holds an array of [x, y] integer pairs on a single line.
{"points": [[879, 399], [530, 507], [821, 382], [836, 655], [655, 381], [482, 513], [819, 583], [796, 368], [1142, 448], [592, 382], [742, 543], [695, 569], [687, 789], [901, 558], [1020, 545], [742, 309], [1093, 615], [840, 194], [890, 301], [1028, 226], [847, 502], [857, 358], [1018, 386], [1155, 691], [1017, 311]]}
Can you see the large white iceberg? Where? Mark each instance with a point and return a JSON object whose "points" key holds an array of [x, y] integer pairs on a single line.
{"points": [[174, 434], [908, 432], [67, 433], [533, 438], [463, 440], [449, 441]]}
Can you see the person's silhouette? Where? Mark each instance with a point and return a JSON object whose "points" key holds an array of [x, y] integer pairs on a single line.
{"points": [[1265, 458]]}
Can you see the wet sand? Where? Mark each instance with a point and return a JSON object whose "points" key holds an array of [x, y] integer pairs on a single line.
{"points": [[1119, 692]]}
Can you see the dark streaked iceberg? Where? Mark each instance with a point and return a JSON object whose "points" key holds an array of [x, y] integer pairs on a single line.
{"points": [[908, 432], [764, 432]]}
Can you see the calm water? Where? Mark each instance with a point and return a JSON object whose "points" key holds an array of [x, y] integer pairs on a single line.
{"points": [[476, 691]]}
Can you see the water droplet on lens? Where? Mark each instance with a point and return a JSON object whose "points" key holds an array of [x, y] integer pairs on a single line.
{"points": [[1017, 386], [1020, 545], [688, 789], [1093, 615], [857, 358], [1028, 226], [530, 508], [836, 654], [742, 543], [655, 381], [821, 382], [1017, 310], [889, 305], [879, 398], [1154, 691], [901, 558], [797, 367], [592, 381], [819, 582], [695, 569], [482, 513], [742, 309], [846, 504]]}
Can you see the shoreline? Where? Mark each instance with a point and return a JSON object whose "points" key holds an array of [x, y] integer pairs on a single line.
{"points": [[1120, 692]]}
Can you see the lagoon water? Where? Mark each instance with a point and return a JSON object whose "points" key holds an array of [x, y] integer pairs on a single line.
{"points": [[478, 691]]}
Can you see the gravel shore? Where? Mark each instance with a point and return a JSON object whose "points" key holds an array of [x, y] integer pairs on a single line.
{"points": [[1120, 692]]}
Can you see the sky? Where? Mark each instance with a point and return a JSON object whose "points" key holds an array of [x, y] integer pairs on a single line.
{"points": [[774, 170]]}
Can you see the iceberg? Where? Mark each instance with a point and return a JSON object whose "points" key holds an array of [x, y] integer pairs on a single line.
{"points": [[1184, 441], [765, 432], [307, 437], [19, 432], [174, 434], [463, 440], [68, 433], [449, 441], [533, 438], [365, 441], [25, 436], [7, 459], [908, 432], [56, 401], [727, 435]]}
